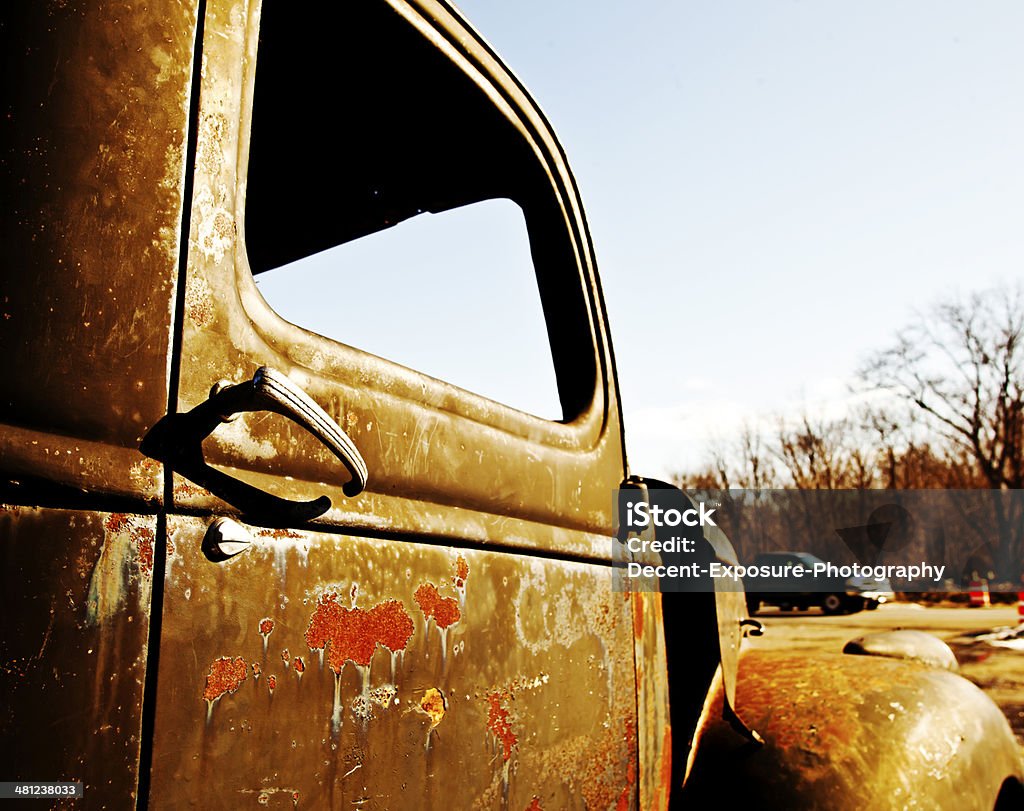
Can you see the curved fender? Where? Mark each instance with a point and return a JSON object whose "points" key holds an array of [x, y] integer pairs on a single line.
{"points": [[852, 732]]}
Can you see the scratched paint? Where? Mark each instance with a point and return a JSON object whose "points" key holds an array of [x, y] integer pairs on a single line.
{"points": [[226, 675]]}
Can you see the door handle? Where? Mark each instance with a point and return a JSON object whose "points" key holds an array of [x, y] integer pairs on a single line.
{"points": [[270, 390]]}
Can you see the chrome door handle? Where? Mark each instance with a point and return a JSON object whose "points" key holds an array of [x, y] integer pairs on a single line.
{"points": [[270, 390]]}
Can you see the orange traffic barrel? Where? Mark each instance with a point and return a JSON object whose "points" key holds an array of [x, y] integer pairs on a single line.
{"points": [[978, 591]]}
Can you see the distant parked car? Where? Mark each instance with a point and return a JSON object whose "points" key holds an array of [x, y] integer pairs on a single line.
{"points": [[787, 590]]}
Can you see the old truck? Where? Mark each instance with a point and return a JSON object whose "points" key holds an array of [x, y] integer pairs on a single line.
{"points": [[245, 564]]}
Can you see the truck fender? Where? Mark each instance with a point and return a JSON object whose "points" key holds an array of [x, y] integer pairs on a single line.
{"points": [[854, 732]]}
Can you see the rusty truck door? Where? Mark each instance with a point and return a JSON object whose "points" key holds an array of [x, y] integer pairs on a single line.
{"points": [[445, 636]]}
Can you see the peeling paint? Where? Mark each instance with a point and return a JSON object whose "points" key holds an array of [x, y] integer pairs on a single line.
{"points": [[499, 721], [226, 676], [266, 628], [126, 555], [434, 705], [460, 578], [444, 611], [352, 635]]}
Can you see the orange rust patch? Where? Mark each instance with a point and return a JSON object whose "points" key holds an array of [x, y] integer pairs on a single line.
{"points": [[226, 675], [444, 610], [266, 626], [638, 616], [535, 804], [499, 721], [256, 670], [286, 657], [143, 538], [116, 522], [279, 534], [299, 665], [433, 704], [272, 682], [461, 572], [665, 776], [354, 633]]}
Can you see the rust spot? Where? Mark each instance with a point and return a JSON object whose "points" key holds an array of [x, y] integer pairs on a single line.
{"points": [[535, 804], [499, 721], [279, 534], [256, 670], [286, 657], [226, 675], [444, 610], [183, 489], [116, 522], [266, 626], [433, 704], [461, 573], [299, 665], [143, 538], [271, 682], [354, 633]]}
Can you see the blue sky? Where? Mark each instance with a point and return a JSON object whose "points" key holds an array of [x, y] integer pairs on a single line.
{"points": [[774, 187], [789, 180]]}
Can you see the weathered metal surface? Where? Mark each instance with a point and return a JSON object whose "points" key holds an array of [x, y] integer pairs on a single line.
{"points": [[75, 597], [518, 480], [96, 102], [335, 671], [852, 732], [653, 717], [913, 645]]}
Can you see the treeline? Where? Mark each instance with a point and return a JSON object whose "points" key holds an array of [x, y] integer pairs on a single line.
{"points": [[942, 407]]}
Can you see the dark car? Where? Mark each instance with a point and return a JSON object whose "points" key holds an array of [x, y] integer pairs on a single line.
{"points": [[786, 580]]}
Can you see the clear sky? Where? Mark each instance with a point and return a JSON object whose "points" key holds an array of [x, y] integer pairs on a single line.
{"points": [[773, 186]]}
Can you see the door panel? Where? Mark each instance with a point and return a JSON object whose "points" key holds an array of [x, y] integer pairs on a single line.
{"points": [[405, 647], [328, 670], [423, 439], [75, 597]]}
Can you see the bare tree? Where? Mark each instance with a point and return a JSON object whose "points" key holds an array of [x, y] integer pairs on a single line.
{"points": [[961, 367]]}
